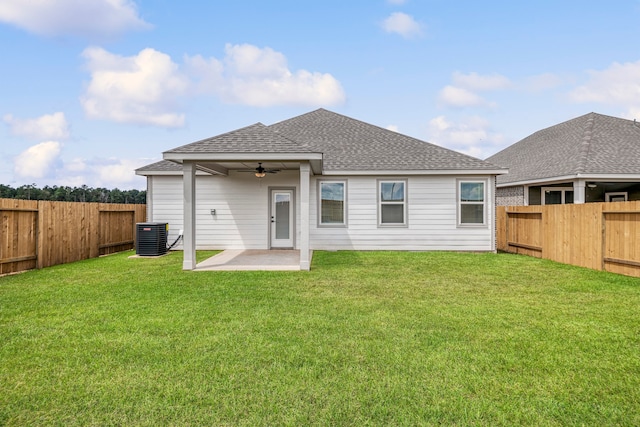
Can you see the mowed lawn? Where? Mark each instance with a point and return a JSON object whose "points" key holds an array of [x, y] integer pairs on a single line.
{"points": [[364, 338]]}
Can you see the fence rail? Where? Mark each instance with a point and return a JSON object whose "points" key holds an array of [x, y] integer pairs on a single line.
{"points": [[37, 234], [602, 236]]}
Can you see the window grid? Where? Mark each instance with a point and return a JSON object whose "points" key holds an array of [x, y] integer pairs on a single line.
{"points": [[472, 203], [392, 209]]}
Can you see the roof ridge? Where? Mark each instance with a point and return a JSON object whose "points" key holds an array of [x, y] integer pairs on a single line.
{"points": [[257, 124], [585, 145], [362, 122]]}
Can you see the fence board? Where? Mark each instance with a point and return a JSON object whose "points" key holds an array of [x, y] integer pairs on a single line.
{"points": [[117, 230], [620, 230], [602, 236], [41, 234], [521, 231], [18, 233]]}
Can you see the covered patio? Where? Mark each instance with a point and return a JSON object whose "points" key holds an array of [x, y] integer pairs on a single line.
{"points": [[253, 260], [227, 156]]}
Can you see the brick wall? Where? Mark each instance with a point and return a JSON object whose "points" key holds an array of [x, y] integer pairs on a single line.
{"points": [[510, 196]]}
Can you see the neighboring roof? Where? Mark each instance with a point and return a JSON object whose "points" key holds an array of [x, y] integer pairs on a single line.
{"points": [[592, 144], [343, 144]]}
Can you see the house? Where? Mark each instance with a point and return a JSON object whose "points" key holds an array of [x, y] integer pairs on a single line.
{"points": [[322, 181], [592, 158]]}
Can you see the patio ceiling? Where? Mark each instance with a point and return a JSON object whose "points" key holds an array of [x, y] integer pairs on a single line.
{"points": [[223, 168]]}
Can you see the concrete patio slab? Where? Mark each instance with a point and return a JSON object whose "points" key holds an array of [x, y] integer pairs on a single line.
{"points": [[252, 260]]}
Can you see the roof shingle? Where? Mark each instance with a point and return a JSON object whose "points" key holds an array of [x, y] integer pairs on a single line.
{"points": [[589, 144], [346, 145], [352, 145], [256, 138]]}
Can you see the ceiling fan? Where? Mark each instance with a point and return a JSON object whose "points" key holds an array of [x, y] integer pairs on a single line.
{"points": [[260, 172]]}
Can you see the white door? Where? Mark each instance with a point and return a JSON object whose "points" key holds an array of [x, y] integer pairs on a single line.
{"points": [[282, 218]]}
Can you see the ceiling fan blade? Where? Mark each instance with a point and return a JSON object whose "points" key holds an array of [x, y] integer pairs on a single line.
{"points": [[259, 169]]}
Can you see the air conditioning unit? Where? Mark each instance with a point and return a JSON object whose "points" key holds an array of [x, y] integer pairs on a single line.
{"points": [[151, 238]]}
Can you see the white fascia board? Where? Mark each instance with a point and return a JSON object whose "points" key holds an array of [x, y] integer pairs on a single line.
{"points": [[167, 173], [610, 177], [240, 157], [564, 178], [416, 172]]}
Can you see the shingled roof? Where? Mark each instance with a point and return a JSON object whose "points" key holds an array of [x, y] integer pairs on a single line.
{"points": [[591, 144], [352, 145], [163, 166], [345, 145], [256, 138]]}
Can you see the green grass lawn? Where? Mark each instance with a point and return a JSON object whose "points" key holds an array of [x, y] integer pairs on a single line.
{"points": [[364, 338]]}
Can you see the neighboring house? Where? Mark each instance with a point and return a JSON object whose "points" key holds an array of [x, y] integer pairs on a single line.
{"points": [[322, 181], [592, 158]]}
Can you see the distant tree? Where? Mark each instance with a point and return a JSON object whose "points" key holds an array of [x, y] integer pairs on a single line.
{"points": [[73, 194], [7, 192]]}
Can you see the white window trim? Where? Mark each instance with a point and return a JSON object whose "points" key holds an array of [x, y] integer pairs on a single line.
{"points": [[562, 190], [405, 203], [344, 224], [608, 196], [484, 203]]}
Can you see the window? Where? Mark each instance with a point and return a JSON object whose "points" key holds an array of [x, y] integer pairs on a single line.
{"points": [[557, 195], [471, 206], [393, 203], [332, 202], [620, 196]]}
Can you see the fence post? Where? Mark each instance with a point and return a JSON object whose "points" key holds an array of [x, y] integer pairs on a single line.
{"points": [[603, 235], [39, 235]]}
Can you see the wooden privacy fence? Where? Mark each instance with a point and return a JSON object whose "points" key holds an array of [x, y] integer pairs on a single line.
{"points": [[37, 234], [602, 236]]}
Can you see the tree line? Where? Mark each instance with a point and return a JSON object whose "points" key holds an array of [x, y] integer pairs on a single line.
{"points": [[73, 194]]}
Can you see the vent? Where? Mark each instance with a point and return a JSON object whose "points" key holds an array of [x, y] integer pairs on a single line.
{"points": [[151, 238]]}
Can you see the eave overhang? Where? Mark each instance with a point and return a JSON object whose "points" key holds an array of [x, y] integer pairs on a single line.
{"points": [[564, 178]]}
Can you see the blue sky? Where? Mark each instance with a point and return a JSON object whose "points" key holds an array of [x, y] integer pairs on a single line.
{"points": [[92, 89]]}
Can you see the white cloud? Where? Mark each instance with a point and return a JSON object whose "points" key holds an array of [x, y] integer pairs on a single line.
{"points": [[141, 89], [462, 93], [397, 2], [473, 136], [38, 161], [115, 173], [403, 24], [618, 85], [97, 172], [459, 97], [49, 126], [634, 113], [87, 18], [147, 88], [477, 82], [207, 75], [259, 77], [75, 165], [393, 128]]}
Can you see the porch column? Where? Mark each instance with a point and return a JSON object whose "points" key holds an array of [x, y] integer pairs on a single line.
{"points": [[189, 215], [579, 195], [305, 256]]}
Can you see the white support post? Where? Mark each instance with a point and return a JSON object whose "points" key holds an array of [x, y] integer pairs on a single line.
{"points": [[189, 210], [305, 253], [579, 191]]}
